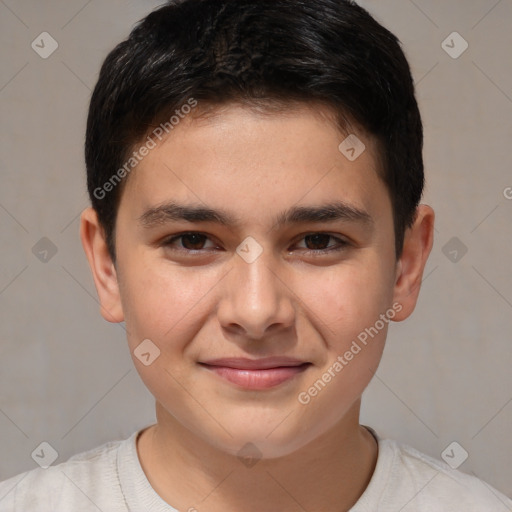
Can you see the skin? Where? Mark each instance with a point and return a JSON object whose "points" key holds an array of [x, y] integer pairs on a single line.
{"points": [[287, 302]]}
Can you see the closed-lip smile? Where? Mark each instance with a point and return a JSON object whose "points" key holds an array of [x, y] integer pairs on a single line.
{"points": [[256, 374]]}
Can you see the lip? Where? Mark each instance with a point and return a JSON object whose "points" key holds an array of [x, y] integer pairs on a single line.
{"points": [[256, 374]]}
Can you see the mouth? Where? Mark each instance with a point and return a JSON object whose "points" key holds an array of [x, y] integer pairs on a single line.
{"points": [[256, 374]]}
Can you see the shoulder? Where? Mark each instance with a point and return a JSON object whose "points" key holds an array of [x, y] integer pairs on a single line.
{"points": [[82, 482], [423, 483]]}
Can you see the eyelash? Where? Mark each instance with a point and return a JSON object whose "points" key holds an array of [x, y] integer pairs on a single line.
{"points": [[341, 244]]}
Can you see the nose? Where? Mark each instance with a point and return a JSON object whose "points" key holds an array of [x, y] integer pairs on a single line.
{"points": [[256, 301]]}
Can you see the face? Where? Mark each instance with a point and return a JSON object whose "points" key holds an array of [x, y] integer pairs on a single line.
{"points": [[259, 261]]}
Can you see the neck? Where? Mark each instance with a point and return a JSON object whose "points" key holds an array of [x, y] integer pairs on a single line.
{"points": [[329, 474]]}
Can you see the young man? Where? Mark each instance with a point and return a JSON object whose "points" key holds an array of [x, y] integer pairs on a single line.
{"points": [[255, 173]]}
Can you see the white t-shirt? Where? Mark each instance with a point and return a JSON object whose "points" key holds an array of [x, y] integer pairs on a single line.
{"points": [[109, 478]]}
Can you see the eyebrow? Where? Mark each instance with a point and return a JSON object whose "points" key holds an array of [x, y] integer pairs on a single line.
{"points": [[333, 211]]}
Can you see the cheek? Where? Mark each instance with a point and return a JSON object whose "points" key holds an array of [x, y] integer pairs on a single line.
{"points": [[166, 305], [347, 299], [347, 309], [163, 301], [350, 304]]}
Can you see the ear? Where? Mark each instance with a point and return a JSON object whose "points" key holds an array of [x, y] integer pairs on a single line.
{"points": [[103, 270], [418, 240]]}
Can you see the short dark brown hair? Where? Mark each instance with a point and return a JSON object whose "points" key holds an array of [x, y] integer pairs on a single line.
{"points": [[255, 52]]}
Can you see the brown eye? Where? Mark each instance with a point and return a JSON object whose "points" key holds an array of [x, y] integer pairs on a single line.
{"points": [[322, 243], [187, 242], [318, 241], [193, 241]]}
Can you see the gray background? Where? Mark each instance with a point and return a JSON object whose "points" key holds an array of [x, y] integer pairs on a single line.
{"points": [[66, 375]]}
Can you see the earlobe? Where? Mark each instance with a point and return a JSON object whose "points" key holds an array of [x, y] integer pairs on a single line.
{"points": [[418, 241], [103, 270]]}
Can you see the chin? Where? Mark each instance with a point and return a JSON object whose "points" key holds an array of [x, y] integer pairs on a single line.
{"points": [[250, 439]]}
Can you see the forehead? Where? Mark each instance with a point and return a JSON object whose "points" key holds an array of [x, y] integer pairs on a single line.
{"points": [[236, 156]]}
